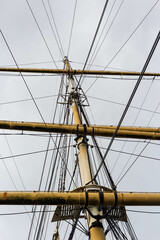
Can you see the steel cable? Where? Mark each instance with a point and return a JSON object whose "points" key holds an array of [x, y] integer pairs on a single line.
{"points": [[131, 98], [126, 41], [41, 32], [94, 38]]}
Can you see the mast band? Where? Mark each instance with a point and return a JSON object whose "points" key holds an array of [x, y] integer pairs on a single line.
{"points": [[96, 224], [93, 131], [86, 193], [85, 130], [77, 133], [101, 198], [77, 130], [116, 199]]}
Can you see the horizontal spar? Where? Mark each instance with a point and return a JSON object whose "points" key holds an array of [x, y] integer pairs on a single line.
{"points": [[75, 72], [129, 128], [124, 132], [79, 198]]}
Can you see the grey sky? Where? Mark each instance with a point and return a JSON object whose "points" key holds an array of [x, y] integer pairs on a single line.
{"points": [[27, 45]]}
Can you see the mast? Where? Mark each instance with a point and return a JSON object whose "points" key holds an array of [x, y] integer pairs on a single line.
{"points": [[97, 201], [85, 166], [89, 195]]}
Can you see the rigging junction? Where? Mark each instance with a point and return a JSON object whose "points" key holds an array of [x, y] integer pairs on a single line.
{"points": [[97, 202]]}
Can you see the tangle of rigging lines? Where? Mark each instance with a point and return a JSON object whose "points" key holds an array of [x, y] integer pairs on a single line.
{"points": [[62, 139]]}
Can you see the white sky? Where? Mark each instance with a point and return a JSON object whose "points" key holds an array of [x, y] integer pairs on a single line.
{"points": [[27, 45]]}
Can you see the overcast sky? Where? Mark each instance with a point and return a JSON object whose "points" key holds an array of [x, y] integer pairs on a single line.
{"points": [[31, 49]]}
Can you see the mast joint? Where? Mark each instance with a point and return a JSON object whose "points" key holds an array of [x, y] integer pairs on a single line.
{"points": [[96, 224], [83, 137]]}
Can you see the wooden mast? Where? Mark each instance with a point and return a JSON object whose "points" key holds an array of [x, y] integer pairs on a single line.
{"points": [[86, 172]]}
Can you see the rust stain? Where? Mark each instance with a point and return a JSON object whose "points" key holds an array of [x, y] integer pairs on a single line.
{"points": [[5, 195]]}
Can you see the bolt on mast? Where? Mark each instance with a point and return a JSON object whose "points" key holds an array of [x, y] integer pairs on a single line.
{"points": [[85, 166]]}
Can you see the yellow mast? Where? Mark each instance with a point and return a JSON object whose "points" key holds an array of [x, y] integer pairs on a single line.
{"points": [[86, 172]]}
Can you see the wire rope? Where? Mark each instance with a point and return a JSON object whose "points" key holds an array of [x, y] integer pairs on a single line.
{"points": [[31, 63], [49, 182], [41, 216], [41, 221], [94, 56], [50, 8], [25, 83], [135, 155], [94, 38], [23, 77], [48, 218], [74, 12], [34, 17], [122, 104], [26, 100], [34, 152], [138, 155], [139, 211], [144, 18], [59, 46], [131, 98], [137, 115], [91, 62], [21, 213], [17, 169]]}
